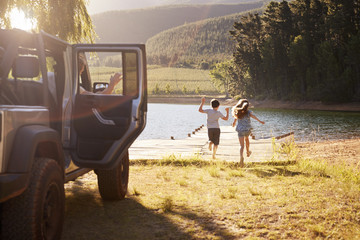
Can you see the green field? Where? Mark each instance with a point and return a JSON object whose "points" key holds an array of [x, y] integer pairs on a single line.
{"points": [[166, 80], [179, 81]]}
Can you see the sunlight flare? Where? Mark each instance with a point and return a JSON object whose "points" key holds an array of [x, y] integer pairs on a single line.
{"points": [[20, 21]]}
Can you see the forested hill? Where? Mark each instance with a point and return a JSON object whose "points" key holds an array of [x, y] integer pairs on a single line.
{"points": [[203, 41], [137, 26], [206, 1]]}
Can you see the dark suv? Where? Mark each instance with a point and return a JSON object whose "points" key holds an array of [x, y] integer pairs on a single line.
{"points": [[56, 125]]}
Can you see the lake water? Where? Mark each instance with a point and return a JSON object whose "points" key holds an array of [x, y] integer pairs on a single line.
{"points": [[166, 120]]}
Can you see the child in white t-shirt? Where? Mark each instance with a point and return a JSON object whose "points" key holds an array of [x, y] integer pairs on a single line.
{"points": [[213, 116]]}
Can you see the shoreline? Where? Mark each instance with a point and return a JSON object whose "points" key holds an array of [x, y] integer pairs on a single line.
{"points": [[267, 104], [338, 152]]}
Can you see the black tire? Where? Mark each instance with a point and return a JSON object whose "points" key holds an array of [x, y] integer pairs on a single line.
{"points": [[113, 183], [38, 213]]}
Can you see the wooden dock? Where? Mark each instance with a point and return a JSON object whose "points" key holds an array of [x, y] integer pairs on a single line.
{"points": [[228, 150]]}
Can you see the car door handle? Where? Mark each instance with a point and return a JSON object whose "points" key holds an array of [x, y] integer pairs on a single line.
{"points": [[101, 119]]}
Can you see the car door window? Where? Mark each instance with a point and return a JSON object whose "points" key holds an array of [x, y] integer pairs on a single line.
{"points": [[97, 68]]}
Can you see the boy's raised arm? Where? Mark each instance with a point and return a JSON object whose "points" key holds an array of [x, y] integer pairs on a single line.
{"points": [[227, 114], [201, 105]]}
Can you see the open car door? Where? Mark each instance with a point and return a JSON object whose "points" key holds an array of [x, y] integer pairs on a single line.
{"points": [[105, 125]]}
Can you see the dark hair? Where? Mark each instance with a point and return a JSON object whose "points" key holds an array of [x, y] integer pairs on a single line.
{"points": [[240, 109], [214, 103]]}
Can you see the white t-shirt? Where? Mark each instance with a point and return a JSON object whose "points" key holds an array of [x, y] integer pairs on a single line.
{"points": [[213, 117]]}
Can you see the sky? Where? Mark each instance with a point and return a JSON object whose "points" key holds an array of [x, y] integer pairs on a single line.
{"points": [[99, 6]]}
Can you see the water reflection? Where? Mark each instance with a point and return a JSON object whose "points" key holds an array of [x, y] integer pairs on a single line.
{"points": [[165, 120]]}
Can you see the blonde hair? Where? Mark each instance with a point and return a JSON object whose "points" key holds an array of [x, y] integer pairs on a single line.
{"points": [[240, 109]]}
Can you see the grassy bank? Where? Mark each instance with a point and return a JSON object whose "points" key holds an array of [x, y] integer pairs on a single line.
{"points": [[196, 199], [265, 104]]}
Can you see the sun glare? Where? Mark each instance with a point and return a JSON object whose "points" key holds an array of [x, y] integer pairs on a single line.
{"points": [[20, 21]]}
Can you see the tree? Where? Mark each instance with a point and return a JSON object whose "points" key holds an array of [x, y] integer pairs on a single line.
{"points": [[331, 87], [222, 76], [67, 19], [303, 50], [156, 89], [248, 35], [299, 59], [353, 60], [342, 20], [278, 24], [309, 16], [167, 88], [184, 89]]}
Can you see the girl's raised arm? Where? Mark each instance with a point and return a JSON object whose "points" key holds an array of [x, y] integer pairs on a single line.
{"points": [[254, 117]]}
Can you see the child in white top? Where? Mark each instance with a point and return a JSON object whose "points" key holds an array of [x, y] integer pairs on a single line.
{"points": [[213, 116]]}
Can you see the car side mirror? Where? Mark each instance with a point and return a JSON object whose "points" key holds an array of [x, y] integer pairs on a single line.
{"points": [[99, 86]]}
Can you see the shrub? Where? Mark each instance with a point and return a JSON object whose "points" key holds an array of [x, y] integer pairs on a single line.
{"points": [[184, 89], [167, 89], [156, 90]]}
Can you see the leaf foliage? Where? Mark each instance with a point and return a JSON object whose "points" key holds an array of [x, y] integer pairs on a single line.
{"points": [[300, 50], [67, 19]]}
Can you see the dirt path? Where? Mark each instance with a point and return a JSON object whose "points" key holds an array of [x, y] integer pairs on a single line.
{"points": [[339, 151]]}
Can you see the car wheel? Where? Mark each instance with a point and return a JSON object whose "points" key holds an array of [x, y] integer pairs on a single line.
{"points": [[38, 213], [113, 183]]}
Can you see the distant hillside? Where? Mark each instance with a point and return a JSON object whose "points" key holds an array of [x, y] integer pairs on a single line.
{"points": [[98, 6], [137, 26], [206, 1], [204, 41]]}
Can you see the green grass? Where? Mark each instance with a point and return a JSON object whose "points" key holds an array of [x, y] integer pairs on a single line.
{"points": [[167, 204], [191, 198]]}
